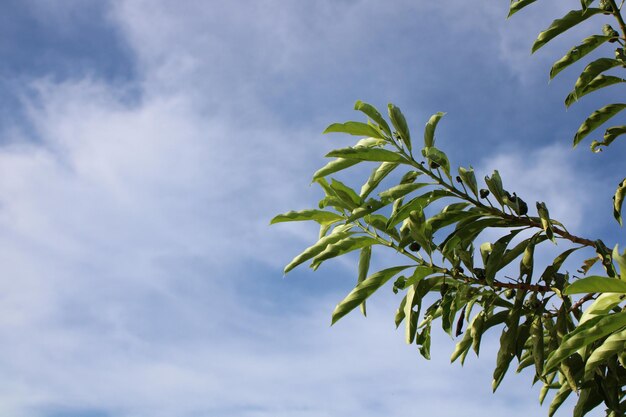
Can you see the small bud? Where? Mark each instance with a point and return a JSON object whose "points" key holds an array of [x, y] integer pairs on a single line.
{"points": [[509, 294], [484, 193], [458, 179], [433, 165], [415, 247]]}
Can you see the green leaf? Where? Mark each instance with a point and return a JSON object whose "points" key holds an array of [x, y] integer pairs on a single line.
{"points": [[378, 174], [561, 25], [577, 52], [559, 399], [620, 258], [364, 265], [596, 119], [597, 284], [518, 5], [367, 154], [469, 179], [494, 183], [400, 312], [591, 71], [339, 233], [354, 128], [440, 158], [429, 130], [399, 123], [346, 193], [342, 247], [597, 83], [400, 191], [363, 290], [609, 136], [320, 216], [585, 334], [613, 344], [536, 334], [546, 223], [419, 202], [494, 259], [601, 306], [334, 166], [618, 200], [373, 114], [410, 315]]}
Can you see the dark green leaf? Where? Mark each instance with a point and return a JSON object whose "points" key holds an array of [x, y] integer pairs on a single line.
{"points": [[419, 202], [618, 200], [518, 5], [373, 114], [367, 154], [546, 223], [613, 344], [429, 130], [363, 290], [559, 398], [577, 52], [320, 216], [354, 128], [596, 119], [561, 25]]}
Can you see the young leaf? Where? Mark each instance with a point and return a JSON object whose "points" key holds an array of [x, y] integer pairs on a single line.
{"points": [[320, 216], [334, 166], [399, 123], [378, 174], [429, 130], [596, 119], [561, 25], [609, 136], [342, 247], [469, 179], [339, 233], [494, 183], [363, 290], [546, 224], [435, 155], [354, 128], [373, 114], [518, 5], [618, 200], [366, 154], [577, 52]]}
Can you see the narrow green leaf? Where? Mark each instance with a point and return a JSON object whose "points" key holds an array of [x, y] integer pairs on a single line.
{"points": [[378, 174], [400, 191], [546, 223], [518, 5], [585, 334], [363, 290], [577, 52], [601, 306], [339, 233], [342, 247], [346, 193], [334, 166], [597, 83], [364, 265], [373, 114], [536, 334], [596, 119], [493, 264], [613, 344], [609, 136], [320, 216], [561, 25], [469, 179], [354, 128], [367, 154], [400, 312], [419, 202], [409, 314], [494, 183], [429, 130], [559, 399], [440, 158], [597, 284], [399, 123], [618, 200], [591, 71]]}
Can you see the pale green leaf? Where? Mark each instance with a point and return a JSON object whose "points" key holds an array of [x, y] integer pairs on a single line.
{"points": [[373, 114], [597, 284], [364, 265], [399, 123], [339, 233], [429, 130], [378, 174], [342, 247], [367, 154], [354, 128], [400, 191], [577, 52], [320, 216], [334, 166], [613, 344]]}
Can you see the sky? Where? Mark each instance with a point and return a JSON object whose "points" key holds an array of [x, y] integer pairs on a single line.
{"points": [[145, 146]]}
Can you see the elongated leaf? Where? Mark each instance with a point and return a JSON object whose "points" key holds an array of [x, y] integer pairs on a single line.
{"points": [[577, 52], [429, 130], [367, 154], [536, 333], [597, 284], [618, 200], [546, 223], [435, 155], [373, 114], [601, 306], [469, 179], [399, 312], [364, 266], [591, 71], [365, 289], [334, 166], [378, 174], [339, 233], [494, 183], [493, 264], [518, 5], [597, 83], [399, 123], [585, 334], [559, 399], [354, 128], [400, 191], [342, 247], [596, 119], [464, 344], [419, 202], [561, 25], [609, 136], [410, 315], [346, 193], [320, 216], [613, 344]]}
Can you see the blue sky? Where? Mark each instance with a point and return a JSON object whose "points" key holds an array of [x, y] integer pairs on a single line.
{"points": [[147, 144]]}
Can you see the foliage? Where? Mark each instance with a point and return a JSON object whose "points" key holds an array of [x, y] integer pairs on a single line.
{"points": [[571, 331]]}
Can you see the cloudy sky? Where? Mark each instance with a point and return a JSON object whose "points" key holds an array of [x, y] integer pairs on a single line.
{"points": [[145, 145]]}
